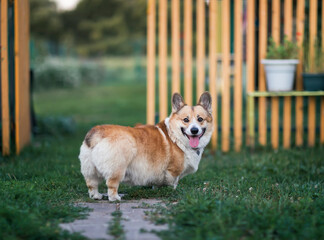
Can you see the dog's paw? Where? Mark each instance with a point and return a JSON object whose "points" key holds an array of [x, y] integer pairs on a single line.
{"points": [[97, 196], [114, 198]]}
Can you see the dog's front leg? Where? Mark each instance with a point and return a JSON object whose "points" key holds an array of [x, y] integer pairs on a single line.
{"points": [[171, 180], [175, 184]]}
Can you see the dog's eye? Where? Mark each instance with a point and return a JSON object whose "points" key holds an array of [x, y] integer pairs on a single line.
{"points": [[200, 119], [186, 120]]}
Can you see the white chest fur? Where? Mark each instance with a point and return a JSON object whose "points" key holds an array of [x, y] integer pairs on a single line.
{"points": [[192, 156], [192, 160]]}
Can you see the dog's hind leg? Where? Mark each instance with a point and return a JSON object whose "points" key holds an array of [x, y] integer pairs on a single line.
{"points": [[90, 173], [113, 184], [92, 184]]}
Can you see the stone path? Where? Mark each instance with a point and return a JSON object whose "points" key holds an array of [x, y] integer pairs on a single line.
{"points": [[96, 224]]}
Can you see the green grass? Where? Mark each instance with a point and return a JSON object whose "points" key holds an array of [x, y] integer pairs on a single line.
{"points": [[264, 195], [115, 228], [259, 195]]}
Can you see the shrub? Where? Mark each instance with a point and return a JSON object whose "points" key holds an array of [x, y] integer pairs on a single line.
{"points": [[287, 50], [67, 73], [55, 126]]}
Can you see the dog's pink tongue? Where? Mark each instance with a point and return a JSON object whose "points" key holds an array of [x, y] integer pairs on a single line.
{"points": [[193, 141]]}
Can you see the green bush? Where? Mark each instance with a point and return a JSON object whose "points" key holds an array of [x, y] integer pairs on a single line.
{"points": [[287, 50], [67, 73], [55, 126]]}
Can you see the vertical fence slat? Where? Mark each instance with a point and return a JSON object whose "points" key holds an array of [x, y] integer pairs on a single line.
{"points": [[163, 67], [150, 91], [213, 66], [188, 51], [275, 100], [287, 100], [22, 98], [200, 47], [322, 99], [225, 76], [262, 83], [17, 78], [175, 46], [311, 100], [5, 80], [250, 61], [300, 18], [238, 76]]}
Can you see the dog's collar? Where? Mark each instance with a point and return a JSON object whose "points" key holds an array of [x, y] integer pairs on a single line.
{"points": [[197, 150]]}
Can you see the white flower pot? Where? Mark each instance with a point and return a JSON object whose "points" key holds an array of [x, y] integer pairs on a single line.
{"points": [[280, 74]]}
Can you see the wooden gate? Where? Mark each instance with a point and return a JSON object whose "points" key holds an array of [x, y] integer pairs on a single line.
{"points": [[15, 105], [227, 22]]}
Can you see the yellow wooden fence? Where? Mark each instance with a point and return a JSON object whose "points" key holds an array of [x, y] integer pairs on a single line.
{"points": [[290, 24], [19, 124]]}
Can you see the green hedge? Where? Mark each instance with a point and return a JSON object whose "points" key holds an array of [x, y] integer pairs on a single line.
{"points": [[67, 73]]}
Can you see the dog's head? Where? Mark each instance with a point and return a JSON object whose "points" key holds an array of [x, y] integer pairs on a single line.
{"points": [[191, 125]]}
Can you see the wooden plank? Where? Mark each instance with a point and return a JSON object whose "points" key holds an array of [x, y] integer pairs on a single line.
{"points": [[175, 46], [5, 80], [311, 121], [213, 66], [187, 55], [311, 100], [225, 74], [200, 47], [288, 17], [22, 98], [275, 100], [163, 65], [238, 75], [300, 18], [150, 91], [250, 58], [262, 82], [322, 99], [251, 117]]}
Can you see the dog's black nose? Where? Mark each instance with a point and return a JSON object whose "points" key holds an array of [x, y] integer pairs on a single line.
{"points": [[194, 130]]}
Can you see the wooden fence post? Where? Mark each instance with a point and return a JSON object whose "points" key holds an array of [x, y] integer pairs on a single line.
{"points": [[163, 59], [288, 8], [225, 76], [238, 76], [5, 79], [150, 99], [250, 59], [262, 82], [188, 51], [300, 17], [213, 66], [275, 100], [200, 47], [311, 100], [175, 25], [22, 97]]}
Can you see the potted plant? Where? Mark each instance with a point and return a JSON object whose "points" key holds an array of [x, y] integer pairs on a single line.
{"points": [[313, 75], [280, 65]]}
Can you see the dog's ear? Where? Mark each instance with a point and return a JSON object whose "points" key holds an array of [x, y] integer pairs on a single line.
{"points": [[177, 102], [205, 101]]}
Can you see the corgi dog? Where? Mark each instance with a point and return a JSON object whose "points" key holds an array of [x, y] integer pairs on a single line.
{"points": [[147, 155]]}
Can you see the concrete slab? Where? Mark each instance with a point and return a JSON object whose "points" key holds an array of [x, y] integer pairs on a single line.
{"points": [[133, 220]]}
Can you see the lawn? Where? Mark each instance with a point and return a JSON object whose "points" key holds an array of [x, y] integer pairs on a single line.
{"points": [[254, 195]]}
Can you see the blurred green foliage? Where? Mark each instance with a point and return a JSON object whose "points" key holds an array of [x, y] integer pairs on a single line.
{"points": [[67, 73], [286, 50], [94, 27]]}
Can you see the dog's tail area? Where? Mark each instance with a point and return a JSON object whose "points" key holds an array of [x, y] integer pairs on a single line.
{"points": [[92, 137]]}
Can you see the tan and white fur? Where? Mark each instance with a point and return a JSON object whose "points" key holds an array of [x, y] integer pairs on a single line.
{"points": [[147, 155]]}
